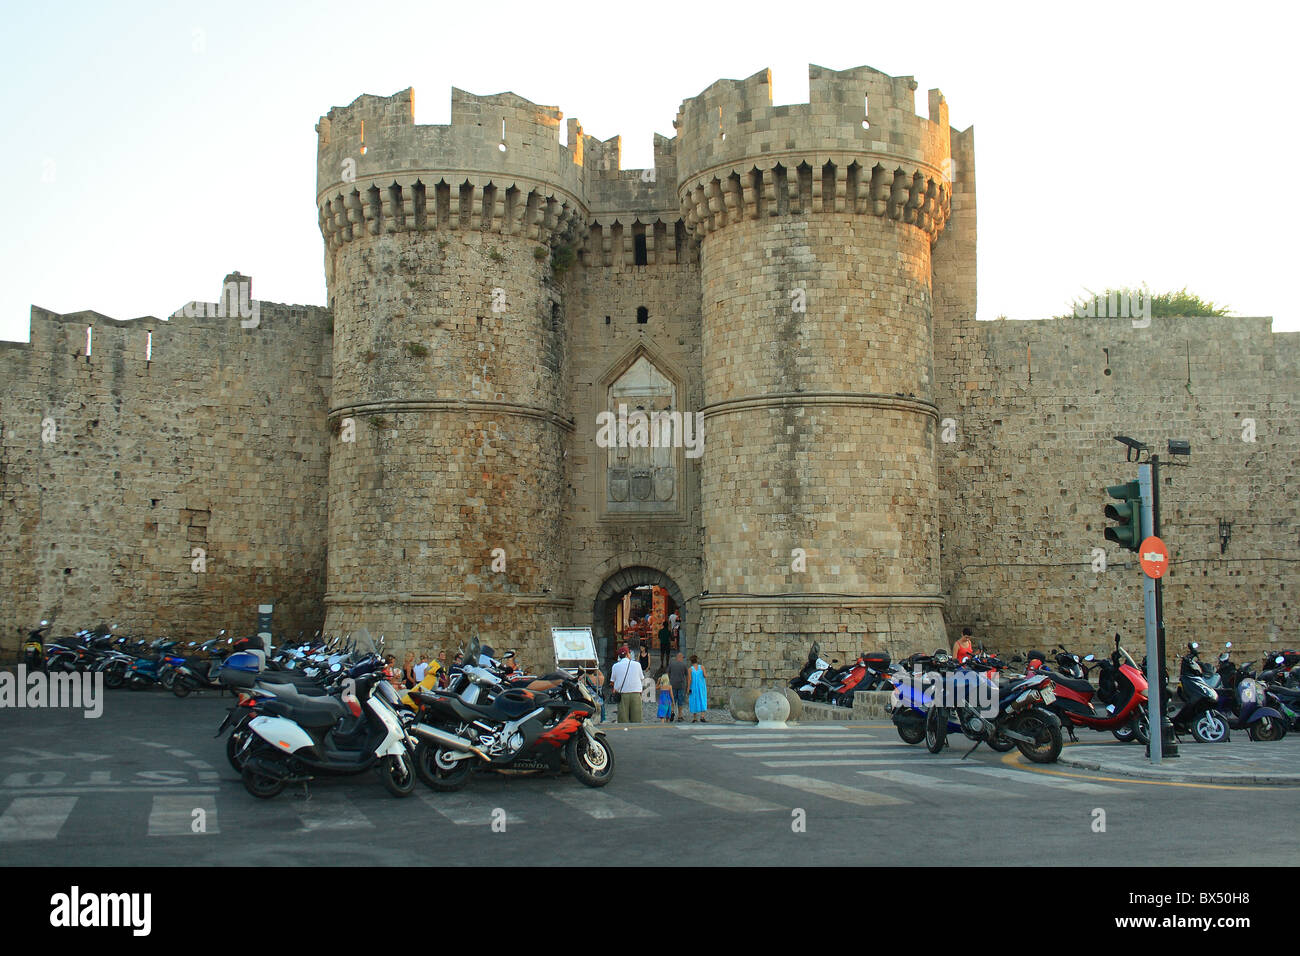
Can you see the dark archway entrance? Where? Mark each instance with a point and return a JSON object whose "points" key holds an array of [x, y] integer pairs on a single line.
{"points": [[605, 611]]}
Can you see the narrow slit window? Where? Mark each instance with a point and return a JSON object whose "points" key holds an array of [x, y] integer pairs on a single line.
{"points": [[502, 145], [866, 112], [90, 336], [148, 347], [642, 315], [639, 250]]}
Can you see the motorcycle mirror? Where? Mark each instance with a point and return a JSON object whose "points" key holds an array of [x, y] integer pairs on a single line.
{"points": [[1229, 644], [45, 623], [1279, 659], [1090, 657]]}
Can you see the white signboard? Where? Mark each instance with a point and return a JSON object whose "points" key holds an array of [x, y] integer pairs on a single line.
{"points": [[574, 646]]}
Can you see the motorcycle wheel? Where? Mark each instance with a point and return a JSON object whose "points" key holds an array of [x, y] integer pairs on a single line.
{"points": [[168, 679], [936, 729], [591, 761], [1047, 738], [1141, 725], [180, 687], [134, 684], [234, 749], [1125, 734], [1267, 729], [1210, 728], [261, 785], [1001, 745], [398, 775], [911, 732], [434, 775], [114, 677]]}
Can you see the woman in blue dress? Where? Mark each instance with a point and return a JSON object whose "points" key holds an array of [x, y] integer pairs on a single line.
{"points": [[697, 690]]}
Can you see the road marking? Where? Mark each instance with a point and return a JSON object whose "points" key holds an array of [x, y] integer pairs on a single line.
{"points": [[834, 791], [30, 819], [832, 763], [599, 804], [330, 811], [1013, 759], [935, 783], [91, 788], [722, 730], [174, 816], [1021, 777], [182, 754], [714, 796], [838, 742], [853, 752], [465, 810], [765, 734]]}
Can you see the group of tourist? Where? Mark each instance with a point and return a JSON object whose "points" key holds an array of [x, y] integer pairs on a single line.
{"points": [[679, 687]]}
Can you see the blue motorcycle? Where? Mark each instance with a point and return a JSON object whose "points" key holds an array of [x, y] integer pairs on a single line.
{"points": [[147, 671], [912, 699]]}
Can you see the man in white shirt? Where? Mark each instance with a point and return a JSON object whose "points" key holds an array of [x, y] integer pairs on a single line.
{"points": [[421, 668], [626, 678]]}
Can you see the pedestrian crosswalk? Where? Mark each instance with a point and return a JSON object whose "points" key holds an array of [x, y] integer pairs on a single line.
{"points": [[843, 767]]}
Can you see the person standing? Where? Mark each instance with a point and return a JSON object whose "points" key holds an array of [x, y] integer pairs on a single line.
{"points": [[643, 657], [665, 646], [677, 678], [626, 678], [697, 689], [963, 648], [675, 623]]}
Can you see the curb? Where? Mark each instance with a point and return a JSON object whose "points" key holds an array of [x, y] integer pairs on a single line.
{"points": [[1177, 776]]}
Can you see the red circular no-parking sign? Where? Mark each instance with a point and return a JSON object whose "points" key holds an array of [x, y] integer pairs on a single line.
{"points": [[1154, 557]]}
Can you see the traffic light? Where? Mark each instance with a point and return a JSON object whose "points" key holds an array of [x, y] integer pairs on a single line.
{"points": [[1128, 512]]}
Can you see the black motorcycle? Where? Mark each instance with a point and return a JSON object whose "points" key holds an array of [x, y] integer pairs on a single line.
{"points": [[1197, 712], [517, 730]]}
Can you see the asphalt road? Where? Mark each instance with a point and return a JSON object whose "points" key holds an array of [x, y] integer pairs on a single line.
{"points": [[148, 784]]}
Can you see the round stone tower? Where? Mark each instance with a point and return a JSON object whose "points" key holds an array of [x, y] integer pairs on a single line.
{"points": [[818, 485], [447, 465]]}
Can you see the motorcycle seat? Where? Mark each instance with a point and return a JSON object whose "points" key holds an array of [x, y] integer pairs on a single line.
{"points": [[296, 678], [308, 713], [1074, 684]]}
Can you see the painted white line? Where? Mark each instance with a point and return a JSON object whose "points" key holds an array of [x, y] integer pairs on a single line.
{"points": [[935, 783], [599, 804], [714, 796], [465, 810], [1042, 780], [179, 753], [835, 762], [330, 811], [850, 752], [91, 788], [834, 791], [759, 736], [174, 816], [30, 819], [759, 745], [208, 776]]}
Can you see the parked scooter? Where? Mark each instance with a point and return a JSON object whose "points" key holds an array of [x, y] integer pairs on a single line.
{"points": [[1120, 696], [201, 673], [34, 647], [308, 741], [1197, 714]]}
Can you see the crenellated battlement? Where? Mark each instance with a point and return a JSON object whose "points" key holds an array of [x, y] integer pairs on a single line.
{"points": [[856, 146], [498, 166]]}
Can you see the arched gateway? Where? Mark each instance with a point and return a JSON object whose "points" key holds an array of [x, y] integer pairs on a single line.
{"points": [[605, 609]]}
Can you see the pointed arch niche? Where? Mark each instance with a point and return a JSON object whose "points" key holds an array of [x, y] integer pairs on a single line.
{"points": [[632, 481]]}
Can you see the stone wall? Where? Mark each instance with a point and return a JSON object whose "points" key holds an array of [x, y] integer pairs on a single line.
{"points": [[217, 441], [1035, 406]]}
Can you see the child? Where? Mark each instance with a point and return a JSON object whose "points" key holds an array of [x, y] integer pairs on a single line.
{"points": [[665, 698]]}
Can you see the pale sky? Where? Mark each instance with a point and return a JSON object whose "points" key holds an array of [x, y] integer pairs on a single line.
{"points": [[153, 149]]}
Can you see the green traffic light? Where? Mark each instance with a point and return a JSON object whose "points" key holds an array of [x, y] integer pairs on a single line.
{"points": [[1128, 512]]}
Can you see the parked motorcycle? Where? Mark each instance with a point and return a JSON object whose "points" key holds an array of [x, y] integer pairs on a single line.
{"points": [[1023, 718], [201, 673], [309, 739], [34, 647], [1197, 713], [516, 730], [1120, 704]]}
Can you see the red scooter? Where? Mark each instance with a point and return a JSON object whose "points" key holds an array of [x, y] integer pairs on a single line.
{"points": [[1117, 704]]}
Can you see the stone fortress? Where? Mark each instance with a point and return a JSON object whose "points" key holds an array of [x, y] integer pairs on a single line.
{"points": [[422, 458]]}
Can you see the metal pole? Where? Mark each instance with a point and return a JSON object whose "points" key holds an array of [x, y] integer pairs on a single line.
{"points": [[1169, 744], [1155, 663]]}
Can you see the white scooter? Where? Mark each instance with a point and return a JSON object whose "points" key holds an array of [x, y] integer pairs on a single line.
{"points": [[308, 741]]}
